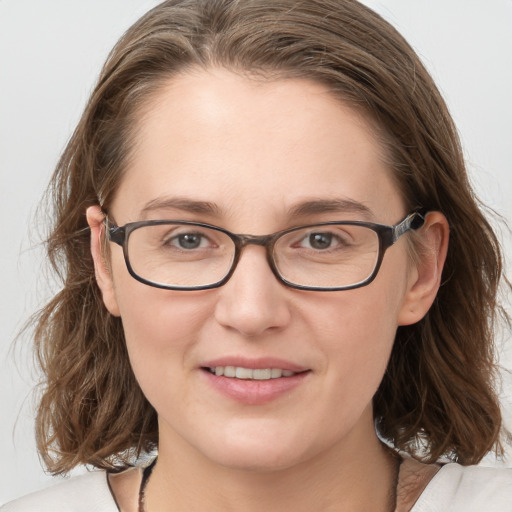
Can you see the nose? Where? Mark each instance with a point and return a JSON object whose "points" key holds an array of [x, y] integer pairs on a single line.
{"points": [[253, 301]]}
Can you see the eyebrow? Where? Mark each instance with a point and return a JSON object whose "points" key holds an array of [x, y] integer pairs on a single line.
{"points": [[183, 204], [317, 206], [305, 208]]}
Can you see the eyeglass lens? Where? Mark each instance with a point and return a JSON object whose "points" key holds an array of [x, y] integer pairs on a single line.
{"points": [[335, 255]]}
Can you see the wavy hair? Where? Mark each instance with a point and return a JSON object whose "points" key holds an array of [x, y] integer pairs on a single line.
{"points": [[437, 397]]}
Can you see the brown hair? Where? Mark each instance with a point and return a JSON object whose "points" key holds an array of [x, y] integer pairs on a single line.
{"points": [[437, 397]]}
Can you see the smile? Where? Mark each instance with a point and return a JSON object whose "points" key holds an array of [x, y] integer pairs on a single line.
{"points": [[239, 372]]}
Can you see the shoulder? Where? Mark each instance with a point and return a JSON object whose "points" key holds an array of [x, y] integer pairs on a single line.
{"points": [[79, 494], [458, 488]]}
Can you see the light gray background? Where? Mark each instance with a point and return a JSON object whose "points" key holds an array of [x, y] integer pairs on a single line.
{"points": [[50, 54]]}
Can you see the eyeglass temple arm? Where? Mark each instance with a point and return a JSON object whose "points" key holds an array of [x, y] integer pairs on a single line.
{"points": [[413, 221], [116, 234]]}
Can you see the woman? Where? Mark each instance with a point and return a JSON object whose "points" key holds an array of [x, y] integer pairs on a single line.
{"points": [[253, 220]]}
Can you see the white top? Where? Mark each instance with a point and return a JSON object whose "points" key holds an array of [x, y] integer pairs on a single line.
{"points": [[84, 493], [453, 489]]}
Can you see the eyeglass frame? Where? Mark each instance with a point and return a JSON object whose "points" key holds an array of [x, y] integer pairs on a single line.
{"points": [[387, 235]]}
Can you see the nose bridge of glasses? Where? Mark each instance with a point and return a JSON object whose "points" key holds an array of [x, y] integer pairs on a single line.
{"points": [[261, 240], [265, 241]]}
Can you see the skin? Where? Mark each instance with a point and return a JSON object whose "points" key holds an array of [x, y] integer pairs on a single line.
{"points": [[257, 150]]}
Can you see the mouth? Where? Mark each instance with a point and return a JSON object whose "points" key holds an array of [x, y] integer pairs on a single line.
{"points": [[239, 372], [255, 386], [254, 381]]}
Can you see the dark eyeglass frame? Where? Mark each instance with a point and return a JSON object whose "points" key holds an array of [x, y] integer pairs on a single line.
{"points": [[387, 236]]}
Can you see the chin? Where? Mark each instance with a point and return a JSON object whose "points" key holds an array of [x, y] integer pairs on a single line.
{"points": [[258, 461], [257, 452]]}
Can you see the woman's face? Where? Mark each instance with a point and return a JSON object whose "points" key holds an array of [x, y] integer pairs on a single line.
{"points": [[258, 157]]}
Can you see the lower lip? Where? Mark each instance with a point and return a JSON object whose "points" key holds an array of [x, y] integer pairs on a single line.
{"points": [[255, 392]]}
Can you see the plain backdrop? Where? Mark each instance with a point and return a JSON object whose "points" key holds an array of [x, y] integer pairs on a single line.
{"points": [[50, 54]]}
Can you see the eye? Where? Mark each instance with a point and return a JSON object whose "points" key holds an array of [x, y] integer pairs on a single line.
{"points": [[324, 240], [189, 241], [320, 240]]}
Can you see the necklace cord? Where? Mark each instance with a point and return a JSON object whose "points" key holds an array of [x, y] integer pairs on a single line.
{"points": [[144, 482]]}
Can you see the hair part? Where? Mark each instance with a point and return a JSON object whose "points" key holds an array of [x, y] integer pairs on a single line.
{"points": [[437, 396]]}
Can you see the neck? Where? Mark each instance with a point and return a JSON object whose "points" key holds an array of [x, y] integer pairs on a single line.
{"points": [[351, 477]]}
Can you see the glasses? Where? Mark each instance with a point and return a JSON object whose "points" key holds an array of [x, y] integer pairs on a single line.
{"points": [[330, 256]]}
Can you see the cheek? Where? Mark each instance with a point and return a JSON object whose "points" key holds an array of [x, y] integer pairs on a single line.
{"points": [[358, 329], [364, 318], [361, 343], [151, 317], [159, 325]]}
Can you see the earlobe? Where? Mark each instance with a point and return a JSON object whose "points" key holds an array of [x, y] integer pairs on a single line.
{"points": [[425, 277], [103, 274]]}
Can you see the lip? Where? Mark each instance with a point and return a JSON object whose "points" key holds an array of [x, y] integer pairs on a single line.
{"points": [[255, 364], [254, 392]]}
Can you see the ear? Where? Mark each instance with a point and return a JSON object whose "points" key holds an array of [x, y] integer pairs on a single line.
{"points": [[103, 274], [425, 275]]}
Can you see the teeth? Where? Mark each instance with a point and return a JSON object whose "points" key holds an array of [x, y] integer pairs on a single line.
{"points": [[229, 371], [262, 374], [239, 372], [244, 373], [275, 373]]}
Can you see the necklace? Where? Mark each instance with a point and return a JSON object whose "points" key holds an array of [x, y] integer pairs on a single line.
{"points": [[142, 489], [393, 497], [149, 469]]}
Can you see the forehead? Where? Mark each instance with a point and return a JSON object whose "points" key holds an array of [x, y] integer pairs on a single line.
{"points": [[253, 148]]}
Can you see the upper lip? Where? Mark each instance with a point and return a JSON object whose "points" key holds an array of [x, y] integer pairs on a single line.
{"points": [[259, 363]]}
